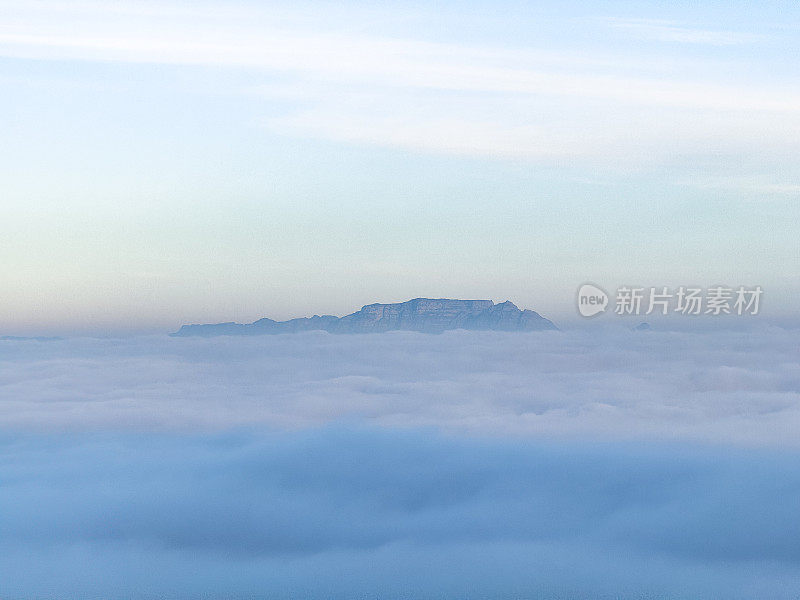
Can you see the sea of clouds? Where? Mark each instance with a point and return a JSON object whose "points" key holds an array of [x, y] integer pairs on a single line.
{"points": [[603, 464], [733, 387]]}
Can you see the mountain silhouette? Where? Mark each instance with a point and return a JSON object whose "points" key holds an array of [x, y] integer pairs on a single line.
{"points": [[426, 315]]}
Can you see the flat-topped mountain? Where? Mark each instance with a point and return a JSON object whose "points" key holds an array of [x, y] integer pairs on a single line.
{"points": [[421, 314]]}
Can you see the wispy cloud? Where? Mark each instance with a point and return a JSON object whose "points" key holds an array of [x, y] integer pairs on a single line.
{"points": [[333, 58], [555, 103], [461, 98], [759, 186], [670, 31]]}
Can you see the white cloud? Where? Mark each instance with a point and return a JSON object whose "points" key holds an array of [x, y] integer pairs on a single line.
{"points": [[741, 388], [624, 123], [438, 97], [670, 31], [468, 464], [753, 185]]}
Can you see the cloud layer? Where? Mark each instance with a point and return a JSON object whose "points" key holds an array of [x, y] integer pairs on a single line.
{"points": [[724, 386], [467, 464], [349, 512]]}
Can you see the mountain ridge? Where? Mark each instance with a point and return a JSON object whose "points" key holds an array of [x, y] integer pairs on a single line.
{"points": [[426, 315]]}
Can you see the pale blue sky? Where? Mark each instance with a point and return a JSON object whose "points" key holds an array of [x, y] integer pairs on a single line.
{"points": [[174, 162]]}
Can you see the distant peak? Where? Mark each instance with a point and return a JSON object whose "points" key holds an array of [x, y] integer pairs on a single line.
{"points": [[508, 304]]}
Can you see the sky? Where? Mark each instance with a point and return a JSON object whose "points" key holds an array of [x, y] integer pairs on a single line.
{"points": [[553, 464], [166, 163]]}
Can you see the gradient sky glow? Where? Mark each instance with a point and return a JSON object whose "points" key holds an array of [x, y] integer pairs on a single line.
{"points": [[166, 162]]}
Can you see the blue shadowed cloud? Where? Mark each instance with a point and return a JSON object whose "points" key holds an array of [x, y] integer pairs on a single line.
{"points": [[345, 512]]}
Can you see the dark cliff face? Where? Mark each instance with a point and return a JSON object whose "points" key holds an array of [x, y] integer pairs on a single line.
{"points": [[420, 314], [507, 317]]}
